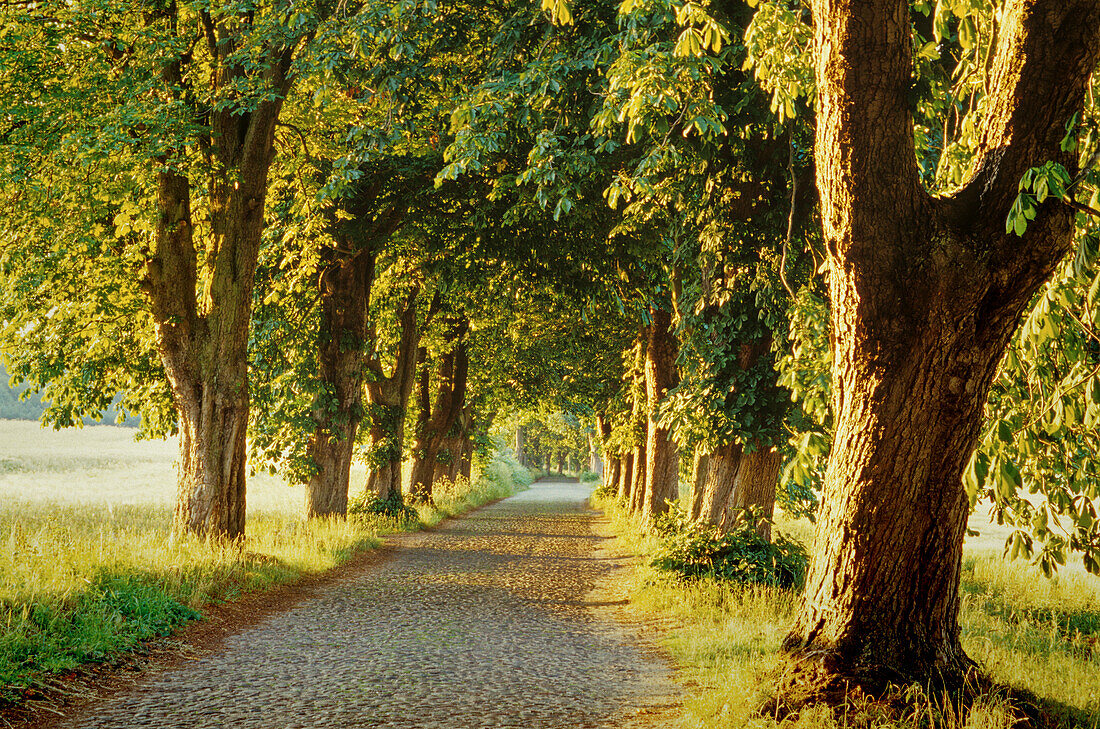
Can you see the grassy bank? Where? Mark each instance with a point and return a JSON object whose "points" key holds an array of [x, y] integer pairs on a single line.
{"points": [[88, 565], [1026, 631]]}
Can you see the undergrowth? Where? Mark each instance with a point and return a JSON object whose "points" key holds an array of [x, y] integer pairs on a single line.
{"points": [[85, 582], [1027, 632], [741, 554]]}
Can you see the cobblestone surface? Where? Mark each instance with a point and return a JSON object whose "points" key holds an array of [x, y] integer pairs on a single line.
{"points": [[487, 622]]}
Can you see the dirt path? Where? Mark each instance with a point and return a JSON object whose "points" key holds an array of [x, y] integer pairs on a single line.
{"points": [[486, 622]]}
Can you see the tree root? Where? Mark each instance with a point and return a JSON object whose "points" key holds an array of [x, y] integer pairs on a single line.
{"points": [[815, 682]]}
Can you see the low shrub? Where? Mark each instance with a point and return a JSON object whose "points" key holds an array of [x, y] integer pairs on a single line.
{"points": [[393, 507], [694, 550], [606, 491]]}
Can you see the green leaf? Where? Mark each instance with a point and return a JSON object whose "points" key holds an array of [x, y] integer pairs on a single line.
{"points": [[967, 33]]}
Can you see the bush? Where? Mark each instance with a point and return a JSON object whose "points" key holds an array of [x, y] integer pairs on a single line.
{"points": [[392, 506], [606, 491], [589, 477], [739, 555]]}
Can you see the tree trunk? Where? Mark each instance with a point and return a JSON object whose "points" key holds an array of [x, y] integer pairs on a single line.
{"points": [[637, 487], [754, 488], [611, 474], [388, 401], [447, 459], [626, 476], [662, 469], [438, 420], [201, 322], [344, 284], [521, 452], [699, 470], [718, 486], [926, 293], [466, 462], [595, 462], [210, 496]]}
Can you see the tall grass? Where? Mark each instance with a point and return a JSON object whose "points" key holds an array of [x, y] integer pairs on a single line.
{"points": [[89, 566], [1027, 632]]}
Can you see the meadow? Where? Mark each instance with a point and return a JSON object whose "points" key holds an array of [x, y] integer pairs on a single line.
{"points": [[89, 566], [1027, 632]]}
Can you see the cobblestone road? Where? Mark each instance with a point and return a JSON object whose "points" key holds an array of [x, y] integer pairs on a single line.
{"points": [[486, 622]]}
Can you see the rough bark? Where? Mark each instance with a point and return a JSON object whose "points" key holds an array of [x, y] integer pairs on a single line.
{"points": [[699, 469], [926, 294], [448, 458], [626, 476], [437, 420], [754, 488], [720, 478], [612, 474], [387, 402], [662, 470], [466, 461], [344, 284], [202, 330]]}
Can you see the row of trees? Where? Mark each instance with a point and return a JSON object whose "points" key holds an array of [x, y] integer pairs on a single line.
{"points": [[952, 149], [737, 236]]}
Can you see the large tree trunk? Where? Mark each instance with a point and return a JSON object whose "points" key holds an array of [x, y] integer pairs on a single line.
{"points": [[611, 474], [926, 294], [662, 469], [699, 469], [345, 284], [626, 476], [210, 496], [721, 475], [448, 460], [388, 400], [754, 488], [202, 330], [466, 462], [636, 476], [437, 421]]}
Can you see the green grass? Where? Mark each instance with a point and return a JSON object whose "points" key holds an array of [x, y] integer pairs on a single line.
{"points": [[498, 480], [1028, 632], [88, 564]]}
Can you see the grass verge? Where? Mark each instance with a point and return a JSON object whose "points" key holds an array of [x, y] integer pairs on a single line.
{"points": [[1028, 633], [84, 582]]}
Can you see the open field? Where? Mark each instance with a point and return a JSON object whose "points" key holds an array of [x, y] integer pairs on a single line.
{"points": [[1026, 631], [88, 565]]}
